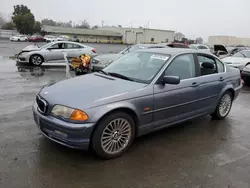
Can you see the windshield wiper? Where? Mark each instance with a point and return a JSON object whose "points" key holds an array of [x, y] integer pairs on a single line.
{"points": [[120, 76], [103, 72], [242, 54]]}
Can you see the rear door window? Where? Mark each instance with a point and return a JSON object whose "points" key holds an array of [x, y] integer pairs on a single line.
{"points": [[207, 65]]}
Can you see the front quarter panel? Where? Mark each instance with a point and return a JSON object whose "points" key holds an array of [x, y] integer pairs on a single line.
{"points": [[139, 105]]}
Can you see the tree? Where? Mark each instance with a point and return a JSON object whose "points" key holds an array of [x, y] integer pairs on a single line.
{"points": [[23, 19], [49, 22], [84, 25], [37, 27], [95, 27], [119, 25], [8, 26], [2, 21], [179, 36], [199, 40]]}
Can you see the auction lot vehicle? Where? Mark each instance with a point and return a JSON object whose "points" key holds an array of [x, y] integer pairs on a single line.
{"points": [[143, 91], [245, 74], [53, 52], [101, 61], [36, 38], [238, 60], [200, 47], [19, 38], [50, 38]]}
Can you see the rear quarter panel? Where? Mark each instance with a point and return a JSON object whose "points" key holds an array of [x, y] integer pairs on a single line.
{"points": [[232, 81]]}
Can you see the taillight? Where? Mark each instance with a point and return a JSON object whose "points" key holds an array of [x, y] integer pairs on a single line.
{"points": [[94, 50]]}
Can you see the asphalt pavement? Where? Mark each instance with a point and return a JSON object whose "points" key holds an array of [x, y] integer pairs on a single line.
{"points": [[202, 153]]}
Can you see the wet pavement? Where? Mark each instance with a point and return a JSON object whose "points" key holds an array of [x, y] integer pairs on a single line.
{"points": [[196, 154]]}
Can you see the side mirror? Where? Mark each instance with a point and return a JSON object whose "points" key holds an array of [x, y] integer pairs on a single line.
{"points": [[49, 49], [174, 80]]}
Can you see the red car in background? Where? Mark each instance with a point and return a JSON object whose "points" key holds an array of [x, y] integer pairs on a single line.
{"points": [[36, 38], [178, 45]]}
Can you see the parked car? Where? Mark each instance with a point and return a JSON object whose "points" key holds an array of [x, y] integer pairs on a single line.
{"points": [[245, 74], [101, 61], [19, 38], [238, 60], [36, 38], [143, 91], [53, 51], [50, 38], [63, 38], [200, 47], [224, 51]]}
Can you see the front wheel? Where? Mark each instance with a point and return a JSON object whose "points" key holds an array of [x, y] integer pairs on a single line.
{"points": [[36, 60], [224, 106], [113, 135]]}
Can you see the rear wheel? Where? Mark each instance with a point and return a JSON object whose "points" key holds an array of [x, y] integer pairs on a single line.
{"points": [[224, 106], [113, 135], [36, 60]]}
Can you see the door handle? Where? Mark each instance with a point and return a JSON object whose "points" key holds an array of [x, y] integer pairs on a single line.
{"points": [[195, 84], [221, 78]]}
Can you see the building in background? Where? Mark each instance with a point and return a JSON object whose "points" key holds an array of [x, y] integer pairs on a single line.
{"points": [[141, 35], [228, 40], [84, 35], [113, 34]]}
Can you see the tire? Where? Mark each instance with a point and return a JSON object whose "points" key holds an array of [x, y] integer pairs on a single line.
{"points": [[113, 145], [219, 113], [36, 60]]}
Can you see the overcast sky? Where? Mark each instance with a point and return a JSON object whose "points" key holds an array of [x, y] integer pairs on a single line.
{"points": [[194, 18]]}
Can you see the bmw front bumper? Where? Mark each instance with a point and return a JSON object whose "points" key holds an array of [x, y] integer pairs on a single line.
{"points": [[62, 132]]}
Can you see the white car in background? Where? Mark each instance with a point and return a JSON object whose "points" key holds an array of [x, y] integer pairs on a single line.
{"points": [[200, 47], [19, 38], [238, 60], [50, 38], [53, 52]]}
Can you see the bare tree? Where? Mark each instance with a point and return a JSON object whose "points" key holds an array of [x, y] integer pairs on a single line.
{"points": [[199, 40], [2, 20], [84, 25], [179, 36]]}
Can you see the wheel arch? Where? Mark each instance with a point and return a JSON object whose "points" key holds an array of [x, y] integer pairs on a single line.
{"points": [[37, 55], [127, 110]]}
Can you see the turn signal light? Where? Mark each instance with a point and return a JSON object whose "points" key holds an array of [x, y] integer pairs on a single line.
{"points": [[78, 115]]}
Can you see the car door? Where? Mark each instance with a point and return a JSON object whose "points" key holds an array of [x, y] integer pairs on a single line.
{"points": [[174, 103], [74, 50], [211, 79], [55, 52]]}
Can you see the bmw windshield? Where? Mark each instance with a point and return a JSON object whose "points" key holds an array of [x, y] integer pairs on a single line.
{"points": [[138, 66]]}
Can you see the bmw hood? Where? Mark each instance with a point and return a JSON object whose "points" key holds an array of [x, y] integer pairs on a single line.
{"points": [[106, 58], [30, 48], [88, 91]]}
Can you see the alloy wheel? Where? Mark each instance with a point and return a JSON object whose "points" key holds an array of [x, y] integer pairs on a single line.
{"points": [[36, 60], [116, 136], [225, 105]]}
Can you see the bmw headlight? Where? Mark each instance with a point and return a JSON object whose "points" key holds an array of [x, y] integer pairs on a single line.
{"points": [[69, 113]]}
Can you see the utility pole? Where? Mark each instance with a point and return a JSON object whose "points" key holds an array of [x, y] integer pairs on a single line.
{"points": [[102, 23]]}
